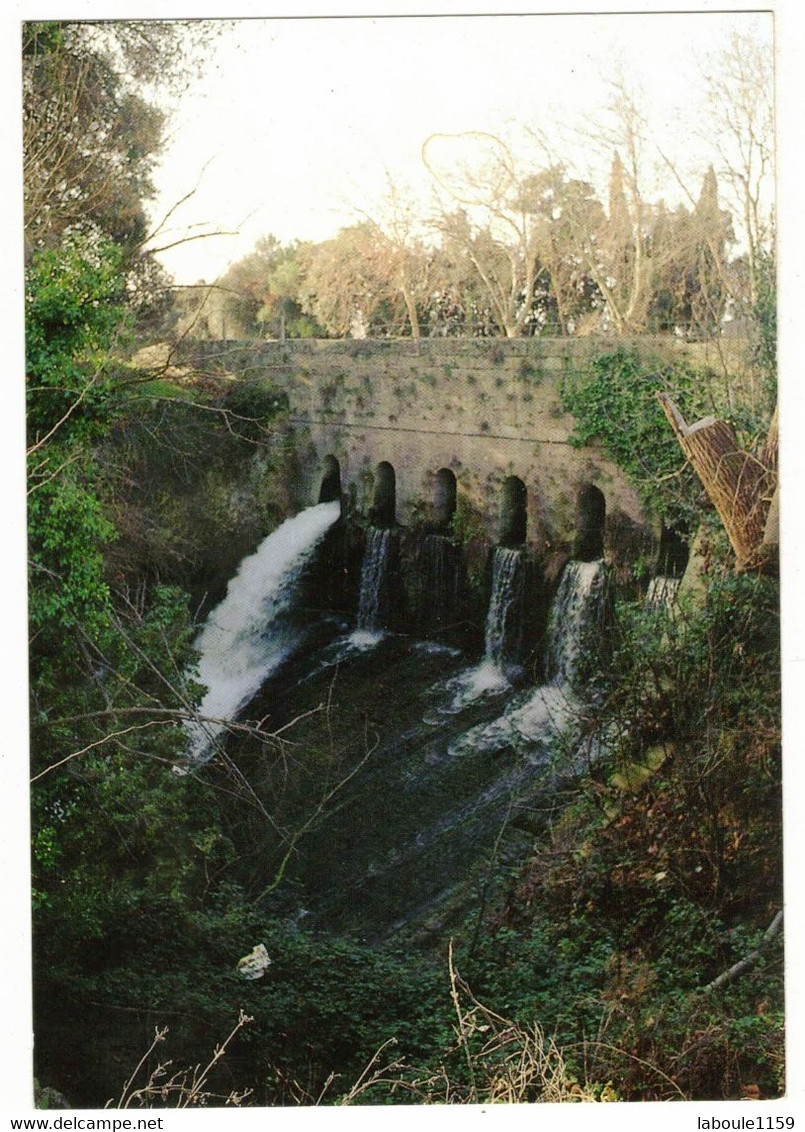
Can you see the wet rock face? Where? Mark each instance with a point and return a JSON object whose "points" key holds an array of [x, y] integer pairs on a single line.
{"points": [[439, 574]]}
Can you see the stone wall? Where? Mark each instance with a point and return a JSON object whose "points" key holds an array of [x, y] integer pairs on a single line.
{"points": [[484, 408]]}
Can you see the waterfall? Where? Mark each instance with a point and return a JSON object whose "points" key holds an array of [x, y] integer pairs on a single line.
{"points": [[374, 577], [442, 783], [576, 613], [504, 618], [503, 632], [375, 582], [249, 634]]}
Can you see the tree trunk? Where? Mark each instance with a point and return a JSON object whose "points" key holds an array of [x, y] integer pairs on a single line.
{"points": [[741, 486], [410, 307]]}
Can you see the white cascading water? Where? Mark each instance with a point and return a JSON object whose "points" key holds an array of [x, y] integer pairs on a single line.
{"points": [[374, 581], [248, 635], [506, 577], [575, 613], [489, 677]]}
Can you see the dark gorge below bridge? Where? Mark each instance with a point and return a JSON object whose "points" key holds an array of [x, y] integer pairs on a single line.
{"points": [[406, 770]]}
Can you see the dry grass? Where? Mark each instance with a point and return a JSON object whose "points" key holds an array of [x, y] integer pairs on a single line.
{"points": [[180, 1088]]}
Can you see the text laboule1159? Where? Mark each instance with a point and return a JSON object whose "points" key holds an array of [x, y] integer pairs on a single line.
{"points": [[744, 1123]]}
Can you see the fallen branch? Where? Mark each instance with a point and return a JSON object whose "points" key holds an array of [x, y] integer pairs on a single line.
{"points": [[747, 962], [166, 716]]}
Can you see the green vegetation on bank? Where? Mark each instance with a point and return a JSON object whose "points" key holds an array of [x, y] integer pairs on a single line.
{"points": [[662, 866]]}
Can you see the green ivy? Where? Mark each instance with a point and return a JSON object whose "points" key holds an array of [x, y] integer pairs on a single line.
{"points": [[614, 403]]}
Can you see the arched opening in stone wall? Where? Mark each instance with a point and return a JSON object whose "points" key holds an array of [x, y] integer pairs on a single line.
{"points": [[591, 510], [384, 506], [444, 498], [330, 490], [674, 552], [513, 512]]}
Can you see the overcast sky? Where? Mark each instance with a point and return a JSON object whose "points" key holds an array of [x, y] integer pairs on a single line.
{"points": [[294, 123]]}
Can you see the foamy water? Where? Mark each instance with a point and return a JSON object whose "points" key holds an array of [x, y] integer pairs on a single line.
{"points": [[249, 634]]}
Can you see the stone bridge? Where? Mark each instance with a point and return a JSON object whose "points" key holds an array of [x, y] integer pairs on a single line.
{"points": [[476, 417]]}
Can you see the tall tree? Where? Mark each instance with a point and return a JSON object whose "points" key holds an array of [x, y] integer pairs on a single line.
{"points": [[712, 238], [347, 280], [739, 84], [624, 238], [90, 140], [621, 256], [260, 293], [495, 225], [691, 279], [457, 303], [410, 261], [567, 213], [89, 147]]}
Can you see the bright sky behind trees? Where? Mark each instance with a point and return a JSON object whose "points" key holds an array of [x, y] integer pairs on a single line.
{"points": [[295, 123]]}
